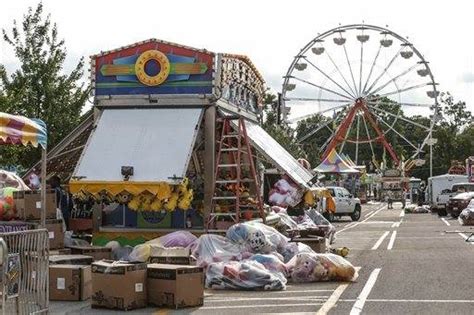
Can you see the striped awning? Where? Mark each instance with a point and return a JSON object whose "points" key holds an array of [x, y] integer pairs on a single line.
{"points": [[22, 130]]}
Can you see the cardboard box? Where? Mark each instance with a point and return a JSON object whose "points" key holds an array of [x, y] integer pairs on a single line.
{"points": [[55, 230], [117, 285], [80, 224], [175, 286], [318, 244], [70, 260], [70, 283], [171, 255], [28, 205], [97, 252], [60, 251], [56, 233]]}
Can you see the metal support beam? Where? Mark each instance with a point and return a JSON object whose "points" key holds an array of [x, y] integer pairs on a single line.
{"points": [[209, 158]]}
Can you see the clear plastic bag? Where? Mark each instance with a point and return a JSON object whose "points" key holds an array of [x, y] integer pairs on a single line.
{"points": [[243, 275], [210, 248], [257, 237], [174, 239], [272, 262], [140, 253], [294, 248], [466, 217], [313, 267]]}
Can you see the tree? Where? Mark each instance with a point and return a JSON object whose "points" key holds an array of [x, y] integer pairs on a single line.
{"points": [[40, 88], [282, 133]]}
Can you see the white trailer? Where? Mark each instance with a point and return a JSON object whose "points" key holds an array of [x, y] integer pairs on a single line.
{"points": [[437, 184]]}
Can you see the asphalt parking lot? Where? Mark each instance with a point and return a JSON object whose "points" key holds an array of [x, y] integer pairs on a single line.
{"points": [[407, 265]]}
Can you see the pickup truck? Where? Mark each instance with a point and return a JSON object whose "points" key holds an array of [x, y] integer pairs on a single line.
{"points": [[346, 204], [446, 195]]}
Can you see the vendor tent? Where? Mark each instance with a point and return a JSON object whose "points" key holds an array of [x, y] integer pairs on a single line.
{"points": [[334, 163], [18, 130], [274, 152]]}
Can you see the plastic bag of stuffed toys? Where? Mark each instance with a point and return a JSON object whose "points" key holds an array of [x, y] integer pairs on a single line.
{"points": [[284, 193], [243, 275], [174, 239], [257, 237], [210, 248], [466, 217], [313, 267]]}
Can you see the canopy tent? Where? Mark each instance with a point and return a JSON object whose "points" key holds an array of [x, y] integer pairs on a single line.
{"points": [[334, 163], [350, 162], [19, 130], [157, 144]]}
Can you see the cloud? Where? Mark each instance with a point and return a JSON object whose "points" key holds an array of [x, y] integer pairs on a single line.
{"points": [[468, 77]]}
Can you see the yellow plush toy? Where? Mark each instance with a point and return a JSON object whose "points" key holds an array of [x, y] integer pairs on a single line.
{"points": [[172, 202], [185, 200]]}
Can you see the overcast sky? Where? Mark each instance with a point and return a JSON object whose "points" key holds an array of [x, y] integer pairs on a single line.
{"points": [[270, 32]]}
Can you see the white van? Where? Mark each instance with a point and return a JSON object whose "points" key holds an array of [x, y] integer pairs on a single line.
{"points": [[442, 184]]}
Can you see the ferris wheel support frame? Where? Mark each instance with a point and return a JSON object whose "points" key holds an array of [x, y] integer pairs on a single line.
{"points": [[344, 127]]}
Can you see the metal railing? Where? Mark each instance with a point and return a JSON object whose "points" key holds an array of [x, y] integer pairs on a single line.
{"points": [[25, 280]]}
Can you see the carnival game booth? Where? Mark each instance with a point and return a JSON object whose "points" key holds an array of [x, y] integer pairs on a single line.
{"points": [[175, 143]]}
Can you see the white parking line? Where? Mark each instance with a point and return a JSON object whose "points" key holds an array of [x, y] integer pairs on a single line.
{"points": [[359, 304], [409, 301], [392, 240], [380, 240], [402, 213], [329, 304], [357, 223], [368, 214], [278, 298], [258, 306], [446, 221], [397, 224]]}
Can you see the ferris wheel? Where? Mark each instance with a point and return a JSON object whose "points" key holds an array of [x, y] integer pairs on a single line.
{"points": [[369, 88]]}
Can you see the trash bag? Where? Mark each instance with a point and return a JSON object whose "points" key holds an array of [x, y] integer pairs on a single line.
{"points": [[70, 241], [257, 237], [313, 267], [271, 262], [243, 275], [466, 217], [174, 239], [210, 248], [417, 209]]}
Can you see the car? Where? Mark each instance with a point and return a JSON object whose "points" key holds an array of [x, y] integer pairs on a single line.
{"points": [[458, 203], [346, 204]]}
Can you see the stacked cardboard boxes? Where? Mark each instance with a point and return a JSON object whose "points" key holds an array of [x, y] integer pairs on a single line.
{"points": [[28, 209], [127, 286]]}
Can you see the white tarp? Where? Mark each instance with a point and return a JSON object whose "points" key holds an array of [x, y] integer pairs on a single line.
{"points": [[157, 142], [273, 151]]}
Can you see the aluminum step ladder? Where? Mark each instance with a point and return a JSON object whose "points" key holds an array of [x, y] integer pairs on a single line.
{"points": [[236, 196]]}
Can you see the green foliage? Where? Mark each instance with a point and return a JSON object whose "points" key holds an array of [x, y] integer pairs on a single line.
{"points": [[282, 133], [40, 88]]}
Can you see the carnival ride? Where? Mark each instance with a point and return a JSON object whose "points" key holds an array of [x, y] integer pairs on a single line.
{"points": [[365, 84]]}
